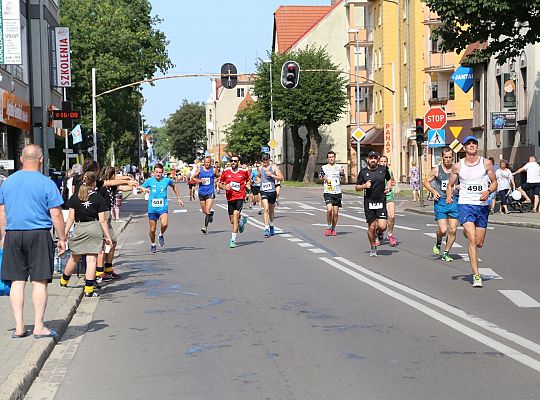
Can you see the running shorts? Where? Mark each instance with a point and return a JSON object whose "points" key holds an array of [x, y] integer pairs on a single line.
{"points": [[204, 197], [473, 213], [270, 196], [333, 199], [154, 216], [255, 190], [443, 210], [235, 205], [374, 211]]}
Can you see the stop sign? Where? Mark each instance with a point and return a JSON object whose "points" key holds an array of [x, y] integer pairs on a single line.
{"points": [[435, 118]]}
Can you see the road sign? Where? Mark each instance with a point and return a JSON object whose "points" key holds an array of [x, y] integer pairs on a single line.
{"points": [[456, 146], [272, 143], [464, 78], [358, 134], [435, 118], [265, 149], [224, 159], [436, 138], [456, 130]]}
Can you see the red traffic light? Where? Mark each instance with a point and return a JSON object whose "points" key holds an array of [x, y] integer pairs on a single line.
{"points": [[419, 122], [291, 67]]}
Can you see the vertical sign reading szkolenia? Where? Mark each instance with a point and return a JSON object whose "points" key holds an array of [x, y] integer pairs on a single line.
{"points": [[10, 32], [60, 57]]}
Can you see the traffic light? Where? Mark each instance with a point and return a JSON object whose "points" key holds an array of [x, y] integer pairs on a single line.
{"points": [[290, 74], [419, 131], [229, 75]]}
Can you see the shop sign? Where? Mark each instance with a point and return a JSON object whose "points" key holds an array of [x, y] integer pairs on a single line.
{"points": [[60, 57], [15, 111], [388, 139], [10, 32]]}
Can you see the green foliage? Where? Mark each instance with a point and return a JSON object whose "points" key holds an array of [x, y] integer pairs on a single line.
{"points": [[162, 142], [186, 130], [507, 26], [119, 39], [248, 133], [320, 97]]}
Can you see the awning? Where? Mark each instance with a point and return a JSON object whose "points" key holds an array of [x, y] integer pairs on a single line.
{"points": [[466, 129], [374, 137]]}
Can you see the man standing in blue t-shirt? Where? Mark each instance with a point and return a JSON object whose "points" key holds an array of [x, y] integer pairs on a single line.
{"points": [[29, 207], [157, 186]]}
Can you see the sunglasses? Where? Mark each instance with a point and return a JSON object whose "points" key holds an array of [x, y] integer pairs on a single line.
{"points": [[234, 160]]}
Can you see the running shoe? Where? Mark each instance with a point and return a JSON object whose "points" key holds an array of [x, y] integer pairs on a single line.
{"points": [[392, 240], [260, 211], [373, 252], [91, 294], [436, 249], [328, 232], [107, 276], [272, 230], [334, 233], [153, 248], [232, 244], [242, 224], [161, 239], [204, 230], [446, 257], [476, 281], [267, 233]]}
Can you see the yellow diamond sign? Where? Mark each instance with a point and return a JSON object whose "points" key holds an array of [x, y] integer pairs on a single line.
{"points": [[272, 143], [358, 134]]}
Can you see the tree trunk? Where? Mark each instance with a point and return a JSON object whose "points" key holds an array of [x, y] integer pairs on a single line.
{"points": [[314, 141], [298, 153], [305, 159]]}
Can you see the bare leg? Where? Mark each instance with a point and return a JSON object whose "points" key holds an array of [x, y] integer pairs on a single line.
{"points": [[452, 231], [391, 209], [371, 233], [39, 299], [163, 222], [152, 233], [335, 216], [266, 213], [16, 298], [470, 231]]}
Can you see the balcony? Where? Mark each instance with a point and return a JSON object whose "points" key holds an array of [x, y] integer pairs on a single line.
{"points": [[440, 62], [362, 74], [432, 19], [365, 36]]}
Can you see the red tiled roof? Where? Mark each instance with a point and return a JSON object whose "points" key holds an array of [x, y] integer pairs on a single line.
{"points": [[292, 22], [471, 48], [245, 102]]}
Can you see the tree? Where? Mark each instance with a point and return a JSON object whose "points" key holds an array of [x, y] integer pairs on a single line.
{"points": [[186, 129], [119, 39], [248, 132], [319, 99], [505, 26], [162, 142]]}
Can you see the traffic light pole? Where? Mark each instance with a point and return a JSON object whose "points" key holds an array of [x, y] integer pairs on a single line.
{"points": [[94, 112], [420, 161], [272, 150]]}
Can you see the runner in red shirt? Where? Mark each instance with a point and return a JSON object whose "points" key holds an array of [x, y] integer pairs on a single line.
{"points": [[234, 181]]}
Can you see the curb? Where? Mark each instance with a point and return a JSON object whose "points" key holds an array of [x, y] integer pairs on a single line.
{"points": [[19, 381]]}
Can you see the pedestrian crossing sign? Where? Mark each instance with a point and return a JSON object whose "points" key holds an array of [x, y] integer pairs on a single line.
{"points": [[436, 138]]}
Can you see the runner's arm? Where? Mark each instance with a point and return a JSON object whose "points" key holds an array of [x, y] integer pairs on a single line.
{"points": [[177, 192], [277, 174], [427, 182], [454, 174], [492, 188]]}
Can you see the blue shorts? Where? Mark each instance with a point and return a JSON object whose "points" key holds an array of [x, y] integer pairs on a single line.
{"points": [[154, 216], [472, 213], [443, 210]]}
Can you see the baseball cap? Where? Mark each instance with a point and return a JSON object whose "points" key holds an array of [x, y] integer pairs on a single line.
{"points": [[469, 138], [373, 154]]}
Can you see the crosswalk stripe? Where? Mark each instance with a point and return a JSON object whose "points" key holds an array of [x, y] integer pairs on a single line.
{"points": [[488, 274], [520, 298], [304, 244], [316, 250], [294, 240]]}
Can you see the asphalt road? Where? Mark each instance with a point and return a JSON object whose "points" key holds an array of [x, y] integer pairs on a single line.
{"points": [[304, 316]]}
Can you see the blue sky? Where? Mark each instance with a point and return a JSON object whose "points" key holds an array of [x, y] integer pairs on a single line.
{"points": [[203, 35]]}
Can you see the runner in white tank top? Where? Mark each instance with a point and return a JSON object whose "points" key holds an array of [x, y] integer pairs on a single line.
{"points": [[477, 180]]}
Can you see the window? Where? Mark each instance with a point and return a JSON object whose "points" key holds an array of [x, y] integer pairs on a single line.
{"points": [[405, 53], [379, 15], [435, 44], [434, 90], [405, 9], [451, 90], [405, 98], [240, 92], [522, 102], [380, 57]]}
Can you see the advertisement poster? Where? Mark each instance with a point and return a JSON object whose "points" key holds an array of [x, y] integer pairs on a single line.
{"points": [[509, 90]]}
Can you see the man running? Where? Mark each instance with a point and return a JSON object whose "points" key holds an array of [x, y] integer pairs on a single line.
{"points": [[157, 186], [330, 176], [390, 208], [446, 214], [234, 181], [255, 186], [376, 180], [476, 180], [268, 175], [205, 176]]}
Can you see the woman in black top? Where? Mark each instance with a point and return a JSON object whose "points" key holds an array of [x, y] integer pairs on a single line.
{"points": [[87, 210]]}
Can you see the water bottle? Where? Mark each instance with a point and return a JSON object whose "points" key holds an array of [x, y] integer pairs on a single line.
{"points": [[57, 264]]}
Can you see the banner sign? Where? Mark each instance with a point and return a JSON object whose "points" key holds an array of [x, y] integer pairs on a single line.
{"points": [[464, 78], [77, 134], [60, 57], [509, 90], [10, 32], [503, 120]]}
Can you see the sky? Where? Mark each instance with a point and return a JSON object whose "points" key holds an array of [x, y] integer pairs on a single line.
{"points": [[204, 35]]}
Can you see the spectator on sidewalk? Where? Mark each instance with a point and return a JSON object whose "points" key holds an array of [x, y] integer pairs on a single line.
{"points": [[414, 180], [505, 182], [493, 196], [29, 207], [532, 183]]}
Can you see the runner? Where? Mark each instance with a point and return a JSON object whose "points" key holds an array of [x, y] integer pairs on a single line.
{"points": [[474, 173], [390, 207], [268, 175], [446, 214], [234, 180], [330, 176], [191, 182], [205, 176], [377, 182], [255, 186], [157, 186], [218, 172]]}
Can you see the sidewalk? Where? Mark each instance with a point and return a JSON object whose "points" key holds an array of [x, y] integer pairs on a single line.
{"points": [[22, 359]]}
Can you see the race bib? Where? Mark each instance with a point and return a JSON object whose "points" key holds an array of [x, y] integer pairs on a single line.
{"points": [[375, 206], [205, 181], [475, 187], [444, 185], [158, 203], [235, 186], [265, 186]]}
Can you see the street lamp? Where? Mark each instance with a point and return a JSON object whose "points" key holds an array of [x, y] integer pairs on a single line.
{"points": [[272, 154], [357, 94]]}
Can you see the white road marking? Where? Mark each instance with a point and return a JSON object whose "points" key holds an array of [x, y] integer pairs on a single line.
{"points": [[295, 240], [304, 206], [488, 274], [434, 236], [486, 340], [183, 210], [301, 212], [279, 208], [286, 235], [317, 250], [304, 244], [363, 220], [341, 225], [466, 257], [520, 299]]}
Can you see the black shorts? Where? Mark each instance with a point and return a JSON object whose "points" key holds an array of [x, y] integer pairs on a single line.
{"points": [[278, 184], [28, 254], [533, 187], [235, 205], [334, 199], [255, 190], [204, 197], [191, 185], [373, 212], [270, 196]]}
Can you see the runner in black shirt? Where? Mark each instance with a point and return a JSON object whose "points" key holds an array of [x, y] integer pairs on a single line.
{"points": [[376, 181]]}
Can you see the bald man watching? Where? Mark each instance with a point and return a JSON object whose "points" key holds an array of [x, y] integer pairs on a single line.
{"points": [[29, 207]]}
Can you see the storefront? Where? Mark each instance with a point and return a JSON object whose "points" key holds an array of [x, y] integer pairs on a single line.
{"points": [[14, 127]]}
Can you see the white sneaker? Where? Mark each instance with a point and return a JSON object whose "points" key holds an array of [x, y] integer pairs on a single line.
{"points": [[373, 252], [476, 281]]}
